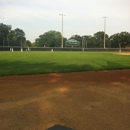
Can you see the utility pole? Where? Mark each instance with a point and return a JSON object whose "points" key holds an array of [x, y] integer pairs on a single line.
{"points": [[62, 31], [104, 31]]}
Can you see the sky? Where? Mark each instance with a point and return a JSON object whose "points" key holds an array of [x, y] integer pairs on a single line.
{"points": [[82, 17]]}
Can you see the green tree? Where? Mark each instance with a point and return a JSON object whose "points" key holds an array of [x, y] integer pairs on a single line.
{"points": [[120, 40], [49, 39], [99, 38], [34, 44], [4, 32], [27, 43], [90, 41], [20, 35], [12, 36]]}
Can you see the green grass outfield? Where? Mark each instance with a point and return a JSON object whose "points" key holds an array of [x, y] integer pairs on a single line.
{"points": [[18, 63]]}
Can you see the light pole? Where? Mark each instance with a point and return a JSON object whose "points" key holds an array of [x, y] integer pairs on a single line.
{"points": [[62, 31], [8, 41], [43, 42], [104, 30], [84, 42]]}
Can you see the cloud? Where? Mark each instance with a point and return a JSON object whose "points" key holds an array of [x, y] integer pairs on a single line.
{"points": [[74, 9], [82, 16]]}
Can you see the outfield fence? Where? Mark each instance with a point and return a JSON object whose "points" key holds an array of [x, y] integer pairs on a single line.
{"points": [[16, 48]]}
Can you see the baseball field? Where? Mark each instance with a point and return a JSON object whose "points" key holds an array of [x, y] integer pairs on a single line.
{"points": [[64, 91]]}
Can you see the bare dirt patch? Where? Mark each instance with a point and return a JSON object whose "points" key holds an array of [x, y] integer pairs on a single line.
{"points": [[82, 101], [123, 53]]}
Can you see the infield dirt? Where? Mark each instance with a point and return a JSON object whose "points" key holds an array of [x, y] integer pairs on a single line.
{"points": [[82, 101]]}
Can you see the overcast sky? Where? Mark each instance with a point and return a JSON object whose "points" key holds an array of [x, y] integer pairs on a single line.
{"points": [[83, 17]]}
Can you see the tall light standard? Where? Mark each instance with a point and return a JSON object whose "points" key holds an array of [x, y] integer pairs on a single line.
{"points": [[104, 30], [83, 42], [8, 40], [62, 31]]}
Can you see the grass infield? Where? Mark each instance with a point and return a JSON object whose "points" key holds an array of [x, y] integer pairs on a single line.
{"points": [[19, 63]]}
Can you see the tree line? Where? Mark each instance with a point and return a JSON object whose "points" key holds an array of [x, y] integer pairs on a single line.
{"points": [[53, 39], [9, 37]]}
